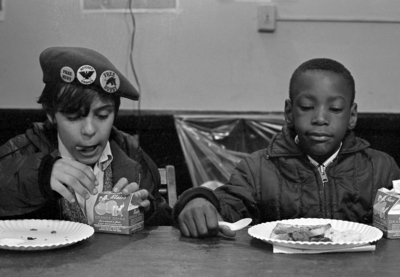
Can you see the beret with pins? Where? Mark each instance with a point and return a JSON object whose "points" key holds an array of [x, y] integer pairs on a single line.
{"points": [[83, 66]]}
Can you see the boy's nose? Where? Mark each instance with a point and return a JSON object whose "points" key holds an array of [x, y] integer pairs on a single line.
{"points": [[320, 117], [88, 128]]}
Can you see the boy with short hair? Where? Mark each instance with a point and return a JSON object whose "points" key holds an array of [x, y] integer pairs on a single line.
{"points": [[57, 168], [314, 168]]}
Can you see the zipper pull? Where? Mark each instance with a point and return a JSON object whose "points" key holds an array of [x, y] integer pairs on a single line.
{"points": [[322, 172]]}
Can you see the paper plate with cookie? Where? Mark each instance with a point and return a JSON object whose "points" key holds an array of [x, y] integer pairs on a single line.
{"points": [[316, 233]]}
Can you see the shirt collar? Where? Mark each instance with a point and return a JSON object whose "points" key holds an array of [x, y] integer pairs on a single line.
{"points": [[103, 162]]}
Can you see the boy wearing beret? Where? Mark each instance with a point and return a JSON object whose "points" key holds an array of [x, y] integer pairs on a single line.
{"points": [[56, 169]]}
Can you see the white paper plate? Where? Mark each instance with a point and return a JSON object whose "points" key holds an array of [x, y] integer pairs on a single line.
{"points": [[370, 234], [35, 234]]}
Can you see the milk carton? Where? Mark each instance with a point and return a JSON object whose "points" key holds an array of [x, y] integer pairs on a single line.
{"points": [[117, 213], [387, 213]]}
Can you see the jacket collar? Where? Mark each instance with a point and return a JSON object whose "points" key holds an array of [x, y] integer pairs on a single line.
{"points": [[43, 136], [124, 166]]}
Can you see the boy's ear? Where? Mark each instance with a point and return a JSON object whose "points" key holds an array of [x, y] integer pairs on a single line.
{"points": [[288, 112], [353, 116]]}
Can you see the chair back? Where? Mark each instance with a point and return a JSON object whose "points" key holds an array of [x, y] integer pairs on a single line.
{"points": [[168, 184]]}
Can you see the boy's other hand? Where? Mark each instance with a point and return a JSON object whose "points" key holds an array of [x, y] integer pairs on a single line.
{"points": [[199, 218], [74, 174], [127, 188]]}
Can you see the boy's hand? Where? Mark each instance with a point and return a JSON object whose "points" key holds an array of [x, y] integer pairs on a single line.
{"points": [[199, 218], [78, 176], [127, 188]]}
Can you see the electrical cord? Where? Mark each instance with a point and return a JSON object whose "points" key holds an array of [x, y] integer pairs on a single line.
{"points": [[132, 44]]}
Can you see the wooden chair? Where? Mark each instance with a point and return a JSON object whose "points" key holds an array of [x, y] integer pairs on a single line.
{"points": [[168, 184]]}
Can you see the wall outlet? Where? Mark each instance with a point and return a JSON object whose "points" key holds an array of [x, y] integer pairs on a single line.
{"points": [[266, 17]]}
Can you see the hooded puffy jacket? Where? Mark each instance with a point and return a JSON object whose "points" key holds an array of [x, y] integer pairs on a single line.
{"points": [[279, 182], [25, 166]]}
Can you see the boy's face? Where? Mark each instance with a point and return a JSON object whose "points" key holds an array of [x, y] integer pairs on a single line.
{"points": [[86, 136], [321, 112]]}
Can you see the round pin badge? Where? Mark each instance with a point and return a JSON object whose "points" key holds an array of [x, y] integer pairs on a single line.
{"points": [[67, 74], [109, 81], [86, 74]]}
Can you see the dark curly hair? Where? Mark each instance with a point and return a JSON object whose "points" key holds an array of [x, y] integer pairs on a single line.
{"points": [[70, 99], [325, 65]]}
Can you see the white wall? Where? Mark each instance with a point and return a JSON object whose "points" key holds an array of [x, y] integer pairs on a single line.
{"points": [[209, 55]]}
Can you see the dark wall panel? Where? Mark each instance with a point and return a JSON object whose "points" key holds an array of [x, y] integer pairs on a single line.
{"points": [[158, 137]]}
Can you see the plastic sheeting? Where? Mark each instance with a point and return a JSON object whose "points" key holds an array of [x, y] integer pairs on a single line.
{"points": [[214, 144]]}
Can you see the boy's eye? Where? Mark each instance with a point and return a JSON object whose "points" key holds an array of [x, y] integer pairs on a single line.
{"points": [[73, 117], [336, 110], [103, 116], [306, 107]]}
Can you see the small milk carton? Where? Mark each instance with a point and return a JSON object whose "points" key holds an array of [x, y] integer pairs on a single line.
{"points": [[387, 213], [117, 213]]}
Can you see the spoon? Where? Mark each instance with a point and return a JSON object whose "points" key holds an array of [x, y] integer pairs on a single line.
{"points": [[237, 225]]}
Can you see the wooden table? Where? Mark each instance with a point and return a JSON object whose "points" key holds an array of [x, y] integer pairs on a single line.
{"points": [[162, 251]]}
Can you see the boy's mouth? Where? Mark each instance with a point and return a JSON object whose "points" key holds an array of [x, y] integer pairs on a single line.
{"points": [[319, 137], [87, 149]]}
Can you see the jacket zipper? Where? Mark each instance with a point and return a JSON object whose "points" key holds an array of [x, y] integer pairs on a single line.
{"points": [[324, 177], [322, 173]]}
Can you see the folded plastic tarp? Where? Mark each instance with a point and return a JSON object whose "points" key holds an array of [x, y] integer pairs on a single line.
{"points": [[214, 144]]}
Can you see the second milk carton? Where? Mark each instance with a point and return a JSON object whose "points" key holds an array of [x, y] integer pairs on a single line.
{"points": [[387, 213]]}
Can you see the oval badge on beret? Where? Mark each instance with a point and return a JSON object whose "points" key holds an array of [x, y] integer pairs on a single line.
{"points": [[86, 74], [109, 81], [67, 74]]}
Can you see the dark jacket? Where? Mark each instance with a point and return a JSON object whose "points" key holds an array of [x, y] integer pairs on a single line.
{"points": [[26, 163], [280, 183]]}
